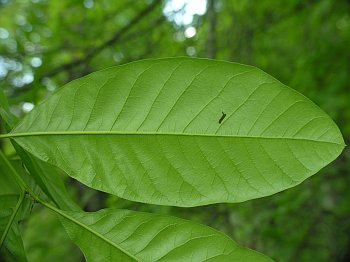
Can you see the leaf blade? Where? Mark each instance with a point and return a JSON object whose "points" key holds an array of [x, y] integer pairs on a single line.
{"points": [[134, 135], [151, 237]]}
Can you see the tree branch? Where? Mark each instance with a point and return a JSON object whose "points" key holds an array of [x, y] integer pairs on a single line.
{"points": [[95, 51]]}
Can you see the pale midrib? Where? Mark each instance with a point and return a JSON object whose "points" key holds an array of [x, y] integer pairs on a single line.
{"points": [[92, 231], [55, 133]]}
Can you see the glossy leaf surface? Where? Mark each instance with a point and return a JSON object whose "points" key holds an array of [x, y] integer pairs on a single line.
{"points": [[182, 132]]}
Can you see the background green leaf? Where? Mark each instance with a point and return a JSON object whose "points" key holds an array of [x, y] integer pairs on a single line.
{"points": [[149, 131], [45, 175], [12, 248], [150, 237], [52, 244], [5, 110], [48, 178]]}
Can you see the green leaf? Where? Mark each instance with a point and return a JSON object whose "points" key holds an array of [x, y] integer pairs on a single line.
{"points": [[45, 175], [44, 225], [48, 178], [10, 190], [5, 110], [12, 248], [149, 131], [13, 208], [8, 183], [123, 235]]}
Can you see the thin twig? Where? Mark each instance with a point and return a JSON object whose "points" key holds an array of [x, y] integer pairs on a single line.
{"points": [[95, 51]]}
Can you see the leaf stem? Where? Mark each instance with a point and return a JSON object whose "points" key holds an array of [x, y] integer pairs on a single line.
{"points": [[12, 218]]}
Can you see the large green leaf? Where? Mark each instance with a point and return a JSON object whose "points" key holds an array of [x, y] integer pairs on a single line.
{"points": [[123, 235], [182, 131]]}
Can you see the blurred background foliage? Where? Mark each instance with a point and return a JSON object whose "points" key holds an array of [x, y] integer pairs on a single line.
{"points": [[303, 43]]}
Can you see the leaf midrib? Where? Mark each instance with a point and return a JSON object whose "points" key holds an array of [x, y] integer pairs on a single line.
{"points": [[54, 133]]}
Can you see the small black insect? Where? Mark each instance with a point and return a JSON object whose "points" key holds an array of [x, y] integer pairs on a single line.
{"points": [[222, 117]]}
